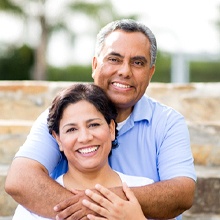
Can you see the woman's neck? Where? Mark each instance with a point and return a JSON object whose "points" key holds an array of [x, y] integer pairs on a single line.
{"points": [[87, 180]]}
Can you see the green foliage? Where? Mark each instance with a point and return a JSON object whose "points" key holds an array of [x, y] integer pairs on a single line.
{"points": [[163, 68], [71, 73], [205, 71], [17, 63], [9, 6]]}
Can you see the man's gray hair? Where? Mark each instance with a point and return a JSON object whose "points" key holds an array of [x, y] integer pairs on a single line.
{"points": [[127, 25]]}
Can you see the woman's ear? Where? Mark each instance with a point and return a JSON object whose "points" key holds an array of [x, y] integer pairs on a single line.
{"points": [[57, 137]]}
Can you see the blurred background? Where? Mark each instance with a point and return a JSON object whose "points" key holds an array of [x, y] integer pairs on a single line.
{"points": [[54, 40]]}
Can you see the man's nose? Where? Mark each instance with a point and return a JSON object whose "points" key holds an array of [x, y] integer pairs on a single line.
{"points": [[125, 70]]}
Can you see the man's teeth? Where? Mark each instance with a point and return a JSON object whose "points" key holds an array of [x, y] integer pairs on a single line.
{"points": [[88, 150], [121, 85]]}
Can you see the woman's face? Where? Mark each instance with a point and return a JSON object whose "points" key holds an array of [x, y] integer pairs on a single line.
{"points": [[85, 137]]}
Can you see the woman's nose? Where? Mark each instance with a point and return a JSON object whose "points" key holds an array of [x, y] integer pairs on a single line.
{"points": [[84, 135]]}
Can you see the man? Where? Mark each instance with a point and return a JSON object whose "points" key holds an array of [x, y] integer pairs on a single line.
{"points": [[153, 138]]}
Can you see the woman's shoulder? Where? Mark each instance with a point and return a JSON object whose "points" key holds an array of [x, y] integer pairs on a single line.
{"points": [[133, 181]]}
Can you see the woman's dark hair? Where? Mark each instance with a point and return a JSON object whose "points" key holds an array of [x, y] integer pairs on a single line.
{"points": [[75, 93]]}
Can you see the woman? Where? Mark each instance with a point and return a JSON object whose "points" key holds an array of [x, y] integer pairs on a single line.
{"points": [[82, 120]]}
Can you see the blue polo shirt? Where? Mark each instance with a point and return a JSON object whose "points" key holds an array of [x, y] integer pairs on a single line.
{"points": [[154, 142]]}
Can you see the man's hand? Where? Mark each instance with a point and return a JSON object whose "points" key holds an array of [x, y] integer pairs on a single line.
{"points": [[72, 208]]}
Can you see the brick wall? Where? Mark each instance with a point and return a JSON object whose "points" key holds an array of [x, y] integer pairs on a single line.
{"points": [[22, 101]]}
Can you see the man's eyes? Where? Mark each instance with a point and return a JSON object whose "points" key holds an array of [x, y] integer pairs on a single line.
{"points": [[138, 63], [113, 59]]}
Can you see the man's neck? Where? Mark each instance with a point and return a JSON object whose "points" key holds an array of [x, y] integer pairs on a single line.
{"points": [[123, 114]]}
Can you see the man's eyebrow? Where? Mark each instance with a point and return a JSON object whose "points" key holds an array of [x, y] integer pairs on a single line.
{"points": [[142, 58], [139, 58], [115, 54]]}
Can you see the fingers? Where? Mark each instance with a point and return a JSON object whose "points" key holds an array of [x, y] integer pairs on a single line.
{"points": [[92, 217], [65, 204], [72, 208], [106, 202], [67, 213], [128, 192], [74, 191], [96, 208], [106, 193]]}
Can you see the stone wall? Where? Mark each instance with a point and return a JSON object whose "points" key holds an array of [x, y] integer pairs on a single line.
{"points": [[22, 101]]}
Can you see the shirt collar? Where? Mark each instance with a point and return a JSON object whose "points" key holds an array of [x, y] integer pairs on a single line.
{"points": [[142, 110]]}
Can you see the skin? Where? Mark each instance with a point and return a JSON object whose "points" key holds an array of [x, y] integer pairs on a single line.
{"points": [[124, 74], [120, 72], [83, 128], [86, 138], [113, 207]]}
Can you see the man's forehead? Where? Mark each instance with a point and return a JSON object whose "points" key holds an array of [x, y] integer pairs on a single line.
{"points": [[121, 43]]}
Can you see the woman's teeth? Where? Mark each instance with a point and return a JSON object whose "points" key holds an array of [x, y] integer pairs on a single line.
{"points": [[88, 150]]}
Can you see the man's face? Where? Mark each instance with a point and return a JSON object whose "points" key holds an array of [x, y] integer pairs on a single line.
{"points": [[123, 68]]}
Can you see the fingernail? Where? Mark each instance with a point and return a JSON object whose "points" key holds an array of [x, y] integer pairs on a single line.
{"points": [[87, 191], [97, 186]]}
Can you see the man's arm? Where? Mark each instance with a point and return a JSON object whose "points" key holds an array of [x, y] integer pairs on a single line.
{"points": [[29, 184], [166, 199], [162, 200]]}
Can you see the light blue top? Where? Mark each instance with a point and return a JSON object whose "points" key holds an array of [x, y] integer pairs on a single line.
{"points": [[153, 143]]}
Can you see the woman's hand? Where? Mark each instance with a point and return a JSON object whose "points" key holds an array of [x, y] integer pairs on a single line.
{"points": [[111, 206]]}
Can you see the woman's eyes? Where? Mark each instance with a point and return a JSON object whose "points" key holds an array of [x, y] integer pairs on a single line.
{"points": [[70, 130], [92, 125]]}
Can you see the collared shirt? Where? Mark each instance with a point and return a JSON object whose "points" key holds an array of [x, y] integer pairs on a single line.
{"points": [[154, 142]]}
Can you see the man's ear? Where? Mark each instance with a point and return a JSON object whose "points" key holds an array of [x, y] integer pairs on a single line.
{"points": [[112, 129], [94, 65], [57, 137], [152, 70]]}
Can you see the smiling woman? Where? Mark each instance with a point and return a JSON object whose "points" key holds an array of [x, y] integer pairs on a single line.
{"points": [[82, 120]]}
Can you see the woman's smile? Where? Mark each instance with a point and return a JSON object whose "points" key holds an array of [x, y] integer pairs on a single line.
{"points": [[88, 150]]}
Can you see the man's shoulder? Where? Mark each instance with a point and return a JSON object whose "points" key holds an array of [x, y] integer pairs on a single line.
{"points": [[151, 109], [158, 106]]}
